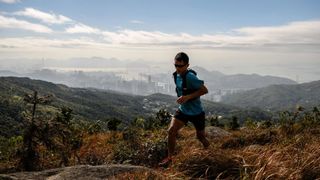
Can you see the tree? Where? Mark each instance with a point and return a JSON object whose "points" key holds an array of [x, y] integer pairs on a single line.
{"points": [[234, 124], [163, 117], [316, 114], [30, 158], [67, 138], [58, 134], [113, 124]]}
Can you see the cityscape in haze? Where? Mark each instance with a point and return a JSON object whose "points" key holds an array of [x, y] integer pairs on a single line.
{"points": [[137, 78], [133, 43]]}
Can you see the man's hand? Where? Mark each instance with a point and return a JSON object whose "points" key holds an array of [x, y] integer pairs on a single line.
{"points": [[203, 90], [183, 99]]}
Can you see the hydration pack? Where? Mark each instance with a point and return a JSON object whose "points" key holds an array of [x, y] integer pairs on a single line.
{"points": [[185, 89]]}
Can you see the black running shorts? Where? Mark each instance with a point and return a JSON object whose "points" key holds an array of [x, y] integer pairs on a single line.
{"points": [[197, 120]]}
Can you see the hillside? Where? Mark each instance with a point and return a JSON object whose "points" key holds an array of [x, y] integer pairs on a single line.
{"points": [[278, 97], [88, 103], [257, 150], [218, 80], [249, 153], [93, 104]]}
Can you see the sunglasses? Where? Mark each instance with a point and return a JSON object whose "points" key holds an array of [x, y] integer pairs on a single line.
{"points": [[178, 65]]}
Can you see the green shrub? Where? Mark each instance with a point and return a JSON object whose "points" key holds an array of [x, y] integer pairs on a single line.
{"points": [[139, 149], [266, 124], [9, 147], [292, 123], [113, 124], [233, 124], [249, 123], [214, 121]]}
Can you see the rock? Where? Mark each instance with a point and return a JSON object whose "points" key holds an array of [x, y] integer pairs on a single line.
{"points": [[254, 148], [216, 132], [81, 172]]}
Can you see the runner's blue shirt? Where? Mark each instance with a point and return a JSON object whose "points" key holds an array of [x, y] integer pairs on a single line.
{"points": [[193, 107]]}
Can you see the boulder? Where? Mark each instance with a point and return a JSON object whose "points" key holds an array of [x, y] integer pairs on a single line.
{"points": [[82, 172], [216, 132]]}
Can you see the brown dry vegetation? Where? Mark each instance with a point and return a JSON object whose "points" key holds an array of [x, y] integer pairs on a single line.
{"points": [[272, 153], [247, 154], [255, 154]]}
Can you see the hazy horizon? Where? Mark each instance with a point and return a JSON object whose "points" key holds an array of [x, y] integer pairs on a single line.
{"points": [[298, 71], [278, 38]]}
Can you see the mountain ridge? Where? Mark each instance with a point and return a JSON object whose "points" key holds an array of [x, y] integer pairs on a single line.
{"points": [[218, 80], [278, 97], [95, 104]]}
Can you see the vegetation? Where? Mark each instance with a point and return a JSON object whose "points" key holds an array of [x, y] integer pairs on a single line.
{"points": [[34, 129], [287, 149], [10, 117], [95, 105], [283, 147]]}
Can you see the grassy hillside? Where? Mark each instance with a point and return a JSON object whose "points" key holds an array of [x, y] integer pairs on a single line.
{"points": [[288, 149], [278, 97], [88, 103], [278, 152], [93, 104]]}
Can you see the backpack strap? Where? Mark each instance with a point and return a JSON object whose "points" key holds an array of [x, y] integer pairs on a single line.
{"points": [[185, 90], [175, 77], [175, 81]]}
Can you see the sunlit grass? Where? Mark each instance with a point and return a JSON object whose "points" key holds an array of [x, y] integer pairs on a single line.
{"points": [[246, 154]]}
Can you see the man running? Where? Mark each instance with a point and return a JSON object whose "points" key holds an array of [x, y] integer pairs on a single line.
{"points": [[189, 89]]}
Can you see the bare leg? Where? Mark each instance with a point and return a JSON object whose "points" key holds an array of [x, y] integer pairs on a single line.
{"points": [[202, 138], [175, 126]]}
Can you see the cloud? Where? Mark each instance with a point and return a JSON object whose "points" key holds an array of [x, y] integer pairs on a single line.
{"points": [[136, 22], [304, 33], [10, 1], [292, 35], [131, 37], [301, 36], [9, 22], [43, 43], [43, 16], [307, 32], [81, 28]]}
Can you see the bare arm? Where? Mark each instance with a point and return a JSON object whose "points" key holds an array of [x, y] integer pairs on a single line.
{"points": [[203, 90]]}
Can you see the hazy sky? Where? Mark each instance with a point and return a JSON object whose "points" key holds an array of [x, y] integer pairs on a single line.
{"points": [[276, 37]]}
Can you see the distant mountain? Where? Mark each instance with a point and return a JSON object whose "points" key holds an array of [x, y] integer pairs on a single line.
{"points": [[217, 80], [92, 62], [8, 73], [94, 104], [204, 73], [278, 97]]}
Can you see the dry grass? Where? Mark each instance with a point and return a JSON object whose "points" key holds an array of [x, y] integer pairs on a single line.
{"points": [[250, 137], [262, 154], [98, 148], [248, 154], [209, 165], [192, 161], [294, 158]]}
